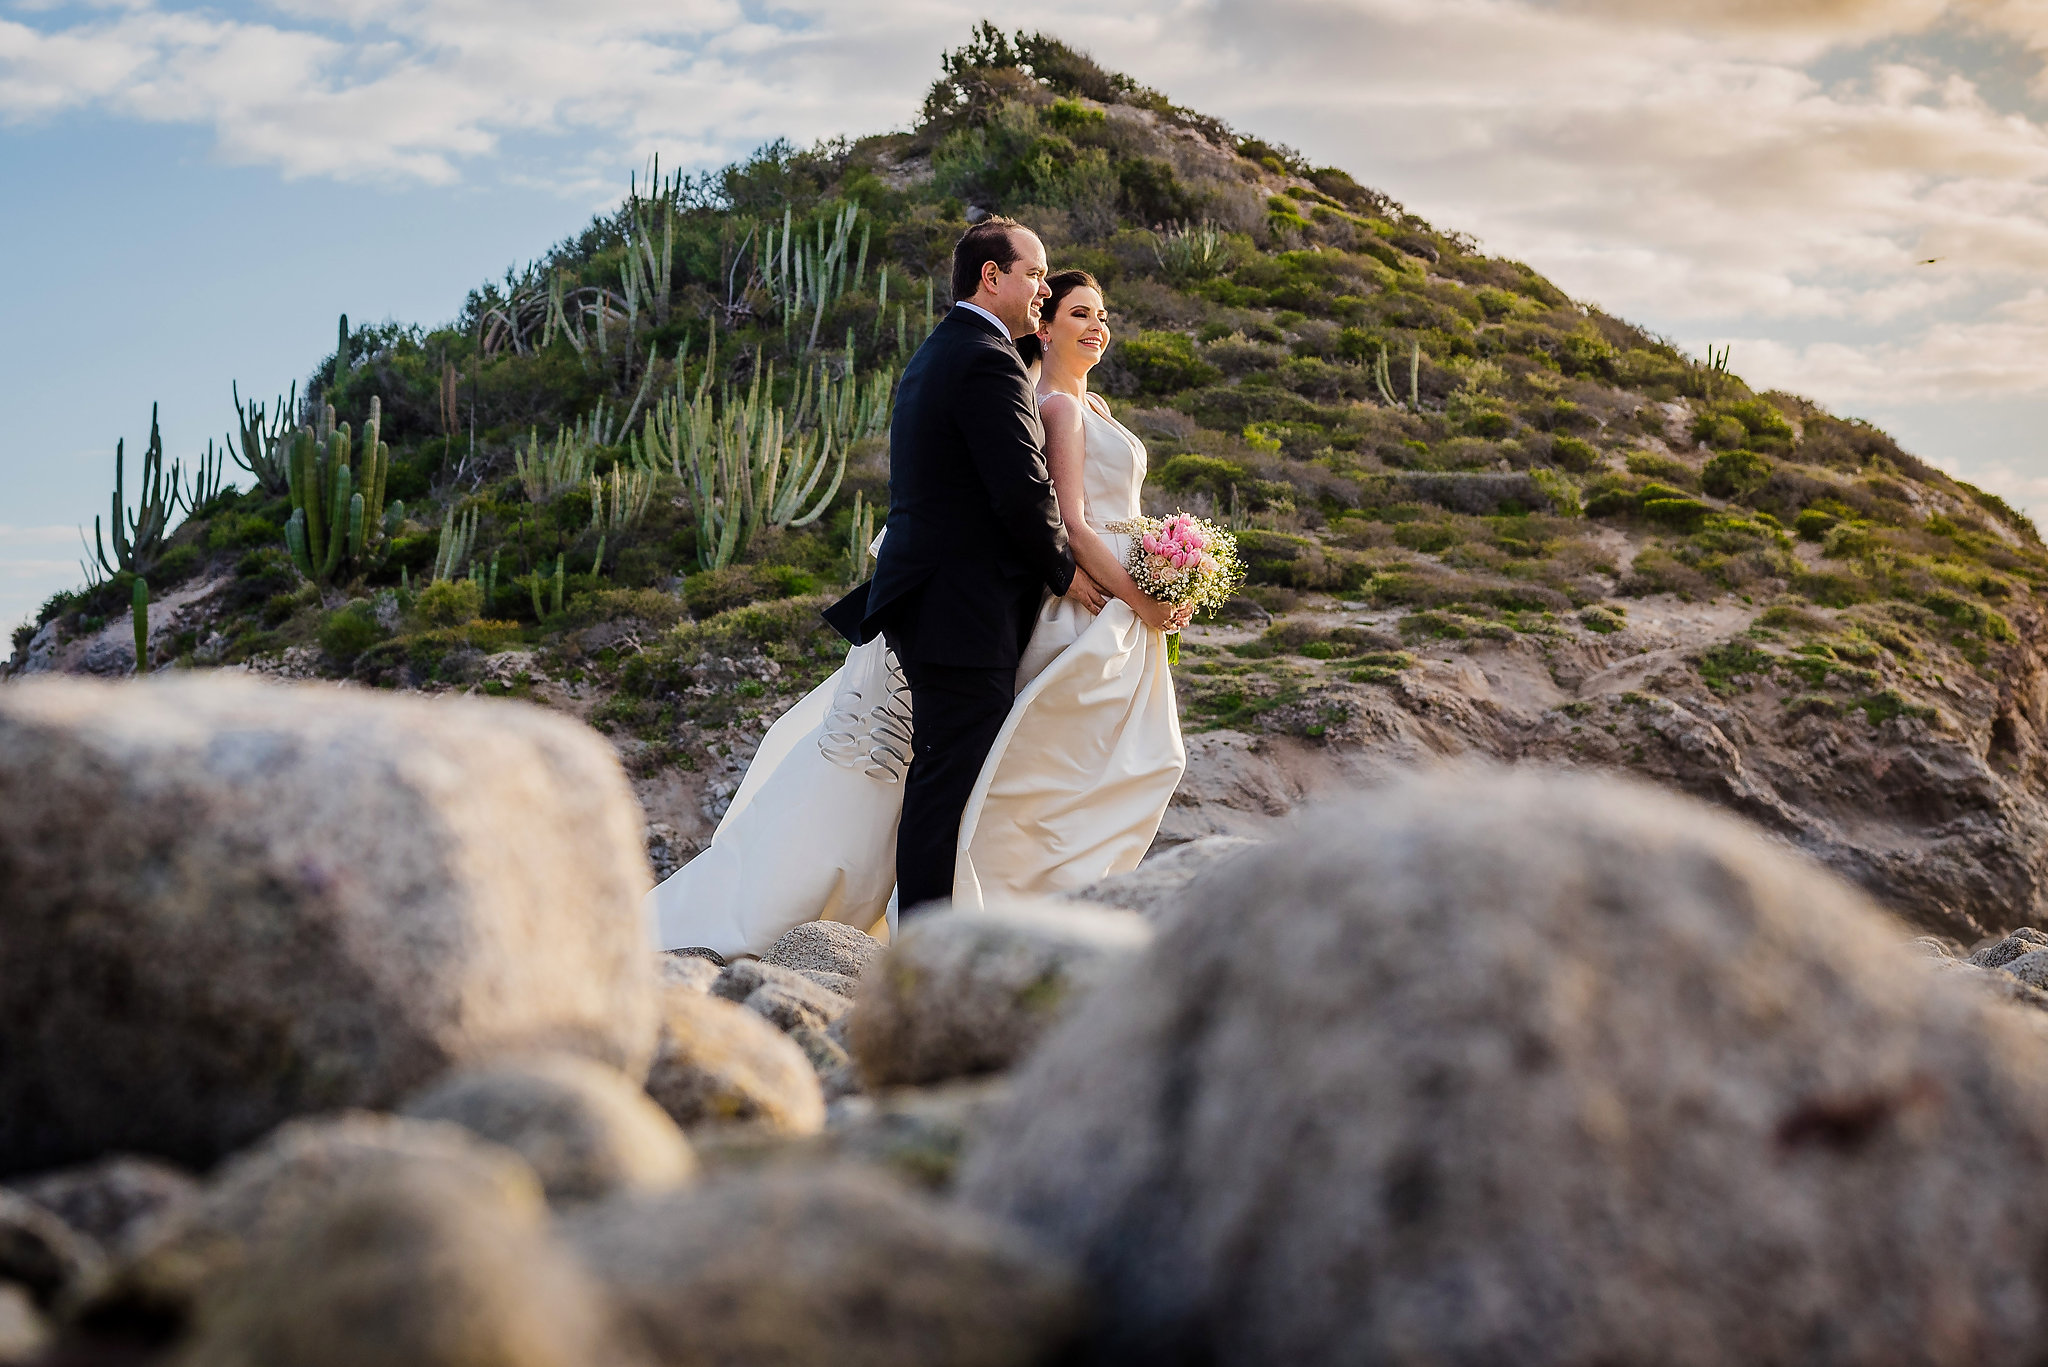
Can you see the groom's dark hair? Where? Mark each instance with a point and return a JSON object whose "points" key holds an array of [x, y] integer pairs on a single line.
{"points": [[992, 239]]}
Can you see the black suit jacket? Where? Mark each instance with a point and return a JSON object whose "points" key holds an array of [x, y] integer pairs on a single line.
{"points": [[974, 529]]}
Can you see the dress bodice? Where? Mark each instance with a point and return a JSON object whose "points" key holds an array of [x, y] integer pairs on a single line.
{"points": [[1113, 473]]}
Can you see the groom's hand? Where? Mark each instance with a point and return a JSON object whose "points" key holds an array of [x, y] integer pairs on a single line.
{"points": [[1084, 593]]}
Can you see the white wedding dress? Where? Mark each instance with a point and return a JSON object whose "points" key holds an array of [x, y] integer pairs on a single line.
{"points": [[1073, 789]]}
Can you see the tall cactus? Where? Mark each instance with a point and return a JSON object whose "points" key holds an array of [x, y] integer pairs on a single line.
{"points": [[458, 537], [338, 513], [138, 608], [265, 446], [138, 536]]}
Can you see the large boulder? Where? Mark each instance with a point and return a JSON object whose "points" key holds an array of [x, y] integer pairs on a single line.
{"points": [[805, 1267], [1542, 1070], [970, 991], [719, 1063], [398, 1267], [255, 1201], [229, 903], [585, 1129], [782, 996]]}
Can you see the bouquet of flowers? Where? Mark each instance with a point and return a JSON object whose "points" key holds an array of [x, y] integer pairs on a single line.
{"points": [[1182, 559]]}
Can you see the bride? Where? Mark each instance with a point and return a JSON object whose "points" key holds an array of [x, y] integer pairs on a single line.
{"points": [[1079, 777]]}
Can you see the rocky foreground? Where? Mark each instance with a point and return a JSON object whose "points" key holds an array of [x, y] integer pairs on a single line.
{"points": [[329, 1034]]}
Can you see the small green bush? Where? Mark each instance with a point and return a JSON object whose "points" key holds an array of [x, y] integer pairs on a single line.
{"points": [[1719, 430], [1603, 619], [1211, 474], [1166, 362], [1686, 514], [449, 602], [1735, 473], [1813, 525], [350, 630], [710, 592], [1574, 454], [1651, 465]]}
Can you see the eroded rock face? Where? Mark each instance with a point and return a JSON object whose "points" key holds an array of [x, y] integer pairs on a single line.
{"points": [[719, 1063], [786, 1267], [585, 1129], [230, 903], [396, 1267], [1536, 1069], [969, 991]]}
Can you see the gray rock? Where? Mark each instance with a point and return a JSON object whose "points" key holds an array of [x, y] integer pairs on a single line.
{"points": [[1999, 953], [397, 1267], [691, 971], [40, 1252], [229, 903], [23, 1332], [1536, 1069], [719, 1063], [971, 991], [258, 1197], [919, 1133], [111, 1199], [1163, 881], [1993, 982], [826, 947], [2030, 968], [585, 1129], [787, 1267], [838, 984], [781, 995]]}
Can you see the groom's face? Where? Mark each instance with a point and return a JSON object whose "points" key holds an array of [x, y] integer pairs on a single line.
{"points": [[1016, 294]]}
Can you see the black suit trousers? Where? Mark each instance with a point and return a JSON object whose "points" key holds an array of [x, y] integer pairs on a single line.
{"points": [[955, 713]]}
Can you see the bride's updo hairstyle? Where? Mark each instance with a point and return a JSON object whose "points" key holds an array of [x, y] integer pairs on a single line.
{"points": [[1062, 284]]}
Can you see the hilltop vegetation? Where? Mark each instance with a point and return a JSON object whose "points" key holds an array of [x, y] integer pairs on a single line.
{"points": [[663, 444]]}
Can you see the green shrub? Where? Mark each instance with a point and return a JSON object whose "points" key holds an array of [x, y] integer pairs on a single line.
{"points": [[1651, 465], [350, 630], [1603, 619], [1813, 525], [448, 602], [1718, 429], [1724, 666], [1965, 615], [1735, 473], [1432, 538], [1166, 362], [232, 531], [1686, 514], [1210, 474], [1573, 454], [710, 592]]}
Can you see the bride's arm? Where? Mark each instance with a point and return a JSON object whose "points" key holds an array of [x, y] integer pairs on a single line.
{"points": [[1065, 450]]}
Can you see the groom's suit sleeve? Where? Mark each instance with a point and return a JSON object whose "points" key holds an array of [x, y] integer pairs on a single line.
{"points": [[998, 415]]}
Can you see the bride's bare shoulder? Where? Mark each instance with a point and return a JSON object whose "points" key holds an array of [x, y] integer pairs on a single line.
{"points": [[1059, 409]]}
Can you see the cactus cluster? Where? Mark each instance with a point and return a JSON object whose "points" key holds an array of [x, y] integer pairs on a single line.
{"points": [[265, 446], [338, 515], [138, 536], [747, 462], [458, 539], [810, 270], [1383, 381], [860, 539]]}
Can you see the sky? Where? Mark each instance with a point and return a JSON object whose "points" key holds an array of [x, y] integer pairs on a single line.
{"points": [[1851, 195]]}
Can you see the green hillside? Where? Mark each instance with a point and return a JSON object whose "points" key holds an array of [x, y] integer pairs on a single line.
{"points": [[676, 420]]}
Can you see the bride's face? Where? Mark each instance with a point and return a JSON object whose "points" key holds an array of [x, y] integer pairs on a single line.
{"points": [[1077, 332]]}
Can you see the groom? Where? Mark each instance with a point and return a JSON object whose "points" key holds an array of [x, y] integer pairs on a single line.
{"points": [[974, 537]]}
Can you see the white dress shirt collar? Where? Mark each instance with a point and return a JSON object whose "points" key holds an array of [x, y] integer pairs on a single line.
{"points": [[1001, 326]]}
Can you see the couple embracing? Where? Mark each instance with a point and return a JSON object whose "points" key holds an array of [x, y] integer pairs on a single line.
{"points": [[1005, 722]]}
